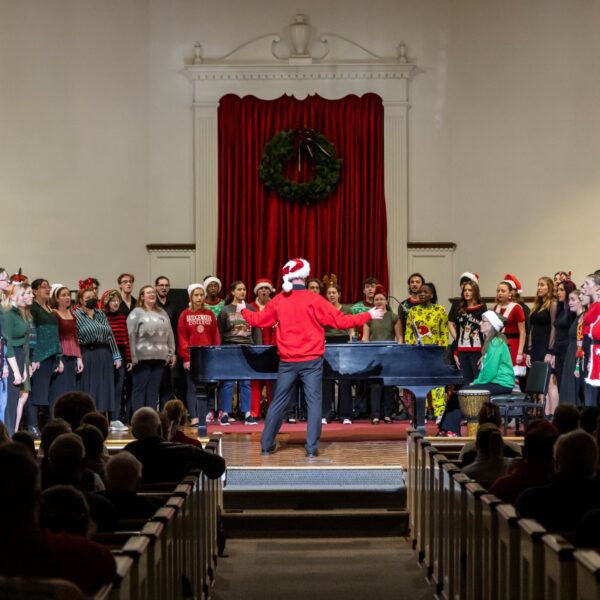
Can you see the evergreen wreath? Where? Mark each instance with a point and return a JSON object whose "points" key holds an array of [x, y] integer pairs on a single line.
{"points": [[286, 145]]}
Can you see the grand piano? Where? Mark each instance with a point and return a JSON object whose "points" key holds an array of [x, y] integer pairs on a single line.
{"points": [[417, 368]]}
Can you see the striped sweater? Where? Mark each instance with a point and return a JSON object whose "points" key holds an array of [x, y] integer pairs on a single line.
{"points": [[118, 324], [95, 330]]}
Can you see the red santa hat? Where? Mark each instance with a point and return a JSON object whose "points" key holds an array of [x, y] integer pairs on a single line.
{"points": [[264, 282], [297, 268], [474, 277], [513, 282]]}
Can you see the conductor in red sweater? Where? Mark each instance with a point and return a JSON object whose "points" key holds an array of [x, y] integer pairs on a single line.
{"points": [[300, 316]]}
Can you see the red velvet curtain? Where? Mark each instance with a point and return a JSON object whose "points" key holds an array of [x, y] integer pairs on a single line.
{"points": [[345, 234]]}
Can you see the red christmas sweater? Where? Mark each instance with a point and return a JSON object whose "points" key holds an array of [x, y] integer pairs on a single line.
{"points": [[301, 316], [196, 328]]}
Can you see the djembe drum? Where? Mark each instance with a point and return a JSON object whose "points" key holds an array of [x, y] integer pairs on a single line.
{"points": [[470, 402]]}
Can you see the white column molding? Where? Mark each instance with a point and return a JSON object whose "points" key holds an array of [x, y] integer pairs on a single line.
{"points": [[396, 193], [266, 75], [206, 198]]}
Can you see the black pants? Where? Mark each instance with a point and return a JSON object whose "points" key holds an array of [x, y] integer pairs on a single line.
{"points": [[379, 392], [344, 399], [469, 366]]}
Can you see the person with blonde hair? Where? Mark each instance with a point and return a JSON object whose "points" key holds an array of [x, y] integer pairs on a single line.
{"points": [[17, 328], [542, 333], [176, 414], [152, 347]]}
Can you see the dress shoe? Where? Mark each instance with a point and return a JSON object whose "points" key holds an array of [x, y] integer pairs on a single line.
{"points": [[271, 450], [312, 454]]}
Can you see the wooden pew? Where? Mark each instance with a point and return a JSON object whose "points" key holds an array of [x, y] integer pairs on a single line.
{"points": [[532, 559], [560, 580], [489, 557], [508, 553], [587, 565], [474, 541]]}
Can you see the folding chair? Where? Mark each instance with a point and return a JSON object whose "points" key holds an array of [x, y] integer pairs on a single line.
{"points": [[522, 406]]}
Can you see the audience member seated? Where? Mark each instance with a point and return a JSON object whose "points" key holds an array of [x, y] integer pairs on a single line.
{"points": [[489, 413], [167, 461], [72, 407], [97, 419], [63, 509], [123, 478], [566, 418], [27, 549], [588, 419], [50, 432], [175, 411], [67, 461], [587, 534], [560, 503], [490, 462], [537, 464], [27, 440], [93, 442]]}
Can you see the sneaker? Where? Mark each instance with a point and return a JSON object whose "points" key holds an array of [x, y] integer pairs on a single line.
{"points": [[210, 417], [291, 420], [323, 421], [231, 419], [346, 422], [118, 426], [250, 420], [224, 420]]}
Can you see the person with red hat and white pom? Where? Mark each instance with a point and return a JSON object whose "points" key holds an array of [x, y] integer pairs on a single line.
{"points": [[301, 317], [514, 316]]}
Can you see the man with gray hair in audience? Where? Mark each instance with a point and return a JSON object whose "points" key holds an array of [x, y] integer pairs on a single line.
{"points": [[123, 478], [167, 461]]}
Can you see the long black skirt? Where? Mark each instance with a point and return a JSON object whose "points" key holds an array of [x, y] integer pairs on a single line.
{"points": [[66, 381], [40, 382], [98, 376]]}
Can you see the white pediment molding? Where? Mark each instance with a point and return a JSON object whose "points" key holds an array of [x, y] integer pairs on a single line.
{"points": [[299, 63]]}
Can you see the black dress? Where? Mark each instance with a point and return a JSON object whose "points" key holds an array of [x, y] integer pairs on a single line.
{"points": [[571, 387], [562, 324], [541, 327]]}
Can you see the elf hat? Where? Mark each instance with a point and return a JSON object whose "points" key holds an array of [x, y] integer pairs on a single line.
{"points": [[263, 283], [297, 268]]}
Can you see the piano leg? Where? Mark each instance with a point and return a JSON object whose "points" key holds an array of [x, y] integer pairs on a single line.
{"points": [[202, 404], [420, 406]]}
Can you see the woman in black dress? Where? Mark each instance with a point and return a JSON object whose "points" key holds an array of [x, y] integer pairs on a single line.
{"points": [[571, 381], [562, 323], [542, 334]]}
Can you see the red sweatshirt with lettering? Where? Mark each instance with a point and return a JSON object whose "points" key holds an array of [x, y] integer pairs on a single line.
{"points": [[301, 316], [196, 328]]}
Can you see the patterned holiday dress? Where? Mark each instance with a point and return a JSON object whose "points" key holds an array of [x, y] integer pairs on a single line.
{"points": [[431, 323]]}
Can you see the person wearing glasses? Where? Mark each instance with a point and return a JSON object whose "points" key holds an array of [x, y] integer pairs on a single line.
{"points": [[128, 302]]}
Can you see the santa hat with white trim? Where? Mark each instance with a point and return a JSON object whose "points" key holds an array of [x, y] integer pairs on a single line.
{"points": [[194, 286], [260, 283], [474, 277], [513, 282], [297, 268], [211, 279]]}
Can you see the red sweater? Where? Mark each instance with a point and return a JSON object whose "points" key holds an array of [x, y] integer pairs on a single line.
{"points": [[27, 550], [301, 316], [196, 328], [118, 324]]}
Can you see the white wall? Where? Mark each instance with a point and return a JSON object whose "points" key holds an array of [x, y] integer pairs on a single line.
{"points": [[96, 128]]}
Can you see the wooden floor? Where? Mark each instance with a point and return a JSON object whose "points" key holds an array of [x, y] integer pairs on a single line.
{"points": [[244, 450]]}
